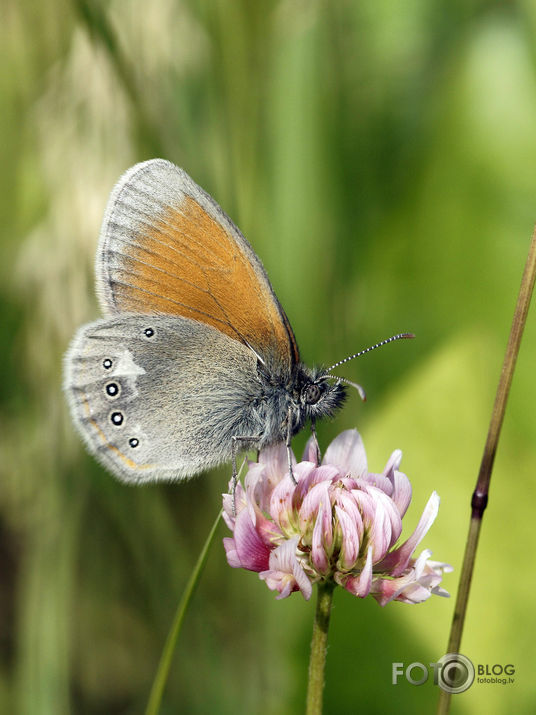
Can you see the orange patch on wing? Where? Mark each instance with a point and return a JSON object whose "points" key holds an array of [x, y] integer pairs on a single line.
{"points": [[186, 263]]}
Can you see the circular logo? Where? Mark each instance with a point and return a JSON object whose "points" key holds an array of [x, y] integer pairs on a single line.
{"points": [[456, 673]]}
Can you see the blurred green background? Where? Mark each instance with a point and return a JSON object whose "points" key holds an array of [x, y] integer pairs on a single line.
{"points": [[381, 159]]}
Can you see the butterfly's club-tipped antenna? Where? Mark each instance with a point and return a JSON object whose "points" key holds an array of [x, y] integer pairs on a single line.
{"points": [[400, 336], [360, 390]]}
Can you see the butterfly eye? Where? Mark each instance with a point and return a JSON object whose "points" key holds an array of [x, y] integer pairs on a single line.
{"points": [[112, 389], [117, 418], [149, 332], [133, 442], [312, 393], [107, 363]]}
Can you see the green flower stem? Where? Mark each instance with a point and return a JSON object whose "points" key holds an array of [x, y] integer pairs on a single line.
{"points": [[480, 495], [317, 661], [159, 682]]}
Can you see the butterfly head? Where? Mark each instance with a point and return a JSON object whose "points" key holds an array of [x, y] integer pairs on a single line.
{"points": [[315, 394]]}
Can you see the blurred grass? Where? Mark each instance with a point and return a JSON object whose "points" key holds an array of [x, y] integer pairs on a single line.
{"points": [[382, 163]]}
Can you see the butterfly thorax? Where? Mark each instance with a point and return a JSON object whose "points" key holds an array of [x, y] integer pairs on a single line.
{"points": [[301, 394]]}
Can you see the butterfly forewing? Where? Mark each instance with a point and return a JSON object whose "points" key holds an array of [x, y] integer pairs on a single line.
{"points": [[167, 247]]}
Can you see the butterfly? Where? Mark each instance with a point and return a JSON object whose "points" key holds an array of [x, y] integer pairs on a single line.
{"points": [[195, 358]]}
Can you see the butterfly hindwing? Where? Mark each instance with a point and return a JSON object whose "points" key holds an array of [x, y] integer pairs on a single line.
{"points": [[150, 394]]}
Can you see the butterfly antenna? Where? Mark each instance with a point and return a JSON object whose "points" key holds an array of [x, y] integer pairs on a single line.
{"points": [[368, 350], [361, 391]]}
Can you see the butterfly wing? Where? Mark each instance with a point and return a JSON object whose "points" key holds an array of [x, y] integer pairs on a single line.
{"points": [[159, 397], [167, 247]]}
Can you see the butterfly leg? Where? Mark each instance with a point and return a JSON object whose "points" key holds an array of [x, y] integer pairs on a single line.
{"points": [[237, 443], [315, 440], [288, 443]]}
